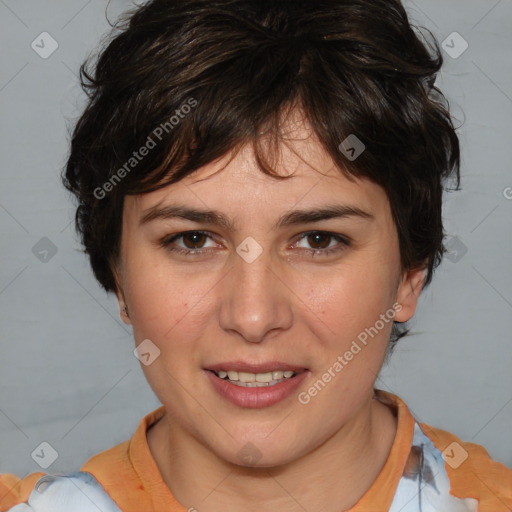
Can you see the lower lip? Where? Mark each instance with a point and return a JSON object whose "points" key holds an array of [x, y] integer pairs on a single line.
{"points": [[264, 396]]}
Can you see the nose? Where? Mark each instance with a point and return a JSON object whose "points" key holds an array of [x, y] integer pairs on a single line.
{"points": [[256, 303]]}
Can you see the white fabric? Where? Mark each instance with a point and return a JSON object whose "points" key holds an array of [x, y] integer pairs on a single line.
{"points": [[77, 492], [429, 489]]}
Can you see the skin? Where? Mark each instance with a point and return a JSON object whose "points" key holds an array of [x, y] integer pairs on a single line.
{"points": [[287, 305]]}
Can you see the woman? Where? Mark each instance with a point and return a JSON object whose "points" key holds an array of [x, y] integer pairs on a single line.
{"points": [[260, 184]]}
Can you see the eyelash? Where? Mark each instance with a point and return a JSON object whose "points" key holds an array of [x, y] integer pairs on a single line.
{"points": [[343, 243]]}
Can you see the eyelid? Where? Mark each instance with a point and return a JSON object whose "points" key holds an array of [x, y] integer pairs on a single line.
{"points": [[166, 241], [343, 242], [338, 236]]}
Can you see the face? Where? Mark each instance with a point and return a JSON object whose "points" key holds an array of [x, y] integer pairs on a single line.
{"points": [[265, 290]]}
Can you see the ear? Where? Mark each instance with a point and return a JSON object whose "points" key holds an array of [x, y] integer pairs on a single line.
{"points": [[121, 300], [408, 293]]}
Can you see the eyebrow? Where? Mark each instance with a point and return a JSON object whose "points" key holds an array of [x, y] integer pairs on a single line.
{"points": [[213, 217]]}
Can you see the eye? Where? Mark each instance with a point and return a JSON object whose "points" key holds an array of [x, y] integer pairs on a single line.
{"points": [[320, 241], [194, 242]]}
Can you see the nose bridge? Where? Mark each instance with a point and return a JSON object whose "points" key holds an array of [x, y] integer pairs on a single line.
{"points": [[254, 301], [253, 269]]}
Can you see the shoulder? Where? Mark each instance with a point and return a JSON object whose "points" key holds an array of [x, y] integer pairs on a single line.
{"points": [[26, 494], [14, 490], [78, 491], [472, 472], [112, 470], [113, 467]]}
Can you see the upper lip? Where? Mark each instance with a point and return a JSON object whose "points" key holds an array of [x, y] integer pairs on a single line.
{"points": [[243, 366]]}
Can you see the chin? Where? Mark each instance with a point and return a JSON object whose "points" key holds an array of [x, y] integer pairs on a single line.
{"points": [[261, 453]]}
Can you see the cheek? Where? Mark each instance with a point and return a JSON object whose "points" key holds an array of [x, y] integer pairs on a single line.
{"points": [[177, 314], [164, 301], [172, 313], [351, 297], [163, 309]]}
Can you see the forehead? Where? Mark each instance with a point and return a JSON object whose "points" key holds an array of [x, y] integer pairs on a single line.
{"points": [[236, 183]]}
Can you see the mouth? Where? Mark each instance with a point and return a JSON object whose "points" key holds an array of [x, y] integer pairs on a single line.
{"points": [[255, 380], [255, 385]]}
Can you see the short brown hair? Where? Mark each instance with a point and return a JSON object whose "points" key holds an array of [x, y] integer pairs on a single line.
{"points": [[353, 66]]}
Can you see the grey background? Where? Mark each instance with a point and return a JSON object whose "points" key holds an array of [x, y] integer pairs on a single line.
{"points": [[68, 375]]}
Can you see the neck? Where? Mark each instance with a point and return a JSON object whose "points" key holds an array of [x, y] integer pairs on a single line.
{"points": [[330, 478]]}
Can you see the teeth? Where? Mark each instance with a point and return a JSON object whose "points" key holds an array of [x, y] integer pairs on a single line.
{"points": [[264, 377], [255, 379], [246, 377], [254, 384]]}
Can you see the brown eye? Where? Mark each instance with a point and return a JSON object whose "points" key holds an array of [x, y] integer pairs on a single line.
{"points": [[323, 243], [195, 238], [187, 243], [319, 240], [192, 243]]}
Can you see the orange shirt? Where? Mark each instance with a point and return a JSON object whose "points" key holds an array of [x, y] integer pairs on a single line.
{"points": [[130, 476]]}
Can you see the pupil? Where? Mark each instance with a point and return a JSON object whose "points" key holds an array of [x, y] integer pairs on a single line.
{"points": [[315, 239], [320, 236], [193, 236]]}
